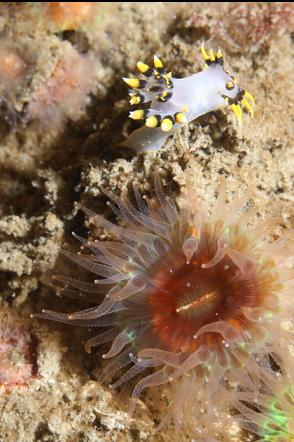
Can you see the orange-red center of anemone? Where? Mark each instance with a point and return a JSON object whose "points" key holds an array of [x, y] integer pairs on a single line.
{"points": [[188, 296]]}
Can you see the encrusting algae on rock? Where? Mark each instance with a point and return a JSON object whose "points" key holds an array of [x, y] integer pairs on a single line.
{"points": [[18, 363]]}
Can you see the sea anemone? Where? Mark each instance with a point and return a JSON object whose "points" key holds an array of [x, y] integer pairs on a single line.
{"points": [[189, 295]]}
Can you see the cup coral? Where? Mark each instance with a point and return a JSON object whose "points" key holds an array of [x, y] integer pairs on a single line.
{"points": [[190, 295]]}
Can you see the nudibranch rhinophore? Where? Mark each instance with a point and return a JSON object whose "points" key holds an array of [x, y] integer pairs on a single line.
{"points": [[171, 102]]}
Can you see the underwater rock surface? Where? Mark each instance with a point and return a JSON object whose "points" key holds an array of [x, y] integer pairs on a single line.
{"points": [[48, 164]]}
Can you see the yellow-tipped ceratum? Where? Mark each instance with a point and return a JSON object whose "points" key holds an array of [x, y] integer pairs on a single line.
{"points": [[180, 118], [219, 54], [157, 62], [153, 121], [144, 69], [247, 106], [132, 82], [138, 114], [135, 83], [248, 95], [167, 124], [236, 108], [236, 105], [204, 53], [135, 99]]}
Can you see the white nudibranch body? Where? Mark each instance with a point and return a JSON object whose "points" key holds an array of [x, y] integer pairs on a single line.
{"points": [[173, 102]]}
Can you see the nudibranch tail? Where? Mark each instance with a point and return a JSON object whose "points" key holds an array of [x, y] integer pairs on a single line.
{"points": [[165, 103]]}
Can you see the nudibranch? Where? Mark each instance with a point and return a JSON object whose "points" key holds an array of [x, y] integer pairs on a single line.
{"points": [[172, 102]]}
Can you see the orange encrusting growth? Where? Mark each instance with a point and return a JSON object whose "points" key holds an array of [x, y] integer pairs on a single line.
{"points": [[69, 15], [12, 66]]}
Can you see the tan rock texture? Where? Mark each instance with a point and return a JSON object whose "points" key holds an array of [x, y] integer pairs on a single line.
{"points": [[44, 171]]}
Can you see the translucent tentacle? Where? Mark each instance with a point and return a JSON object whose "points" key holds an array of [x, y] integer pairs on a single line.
{"points": [[168, 207], [107, 336], [121, 232], [104, 321], [141, 203], [200, 356], [121, 361], [88, 287], [166, 357], [133, 214], [133, 286], [157, 378], [104, 308], [118, 344], [129, 374], [98, 269], [229, 332]]}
